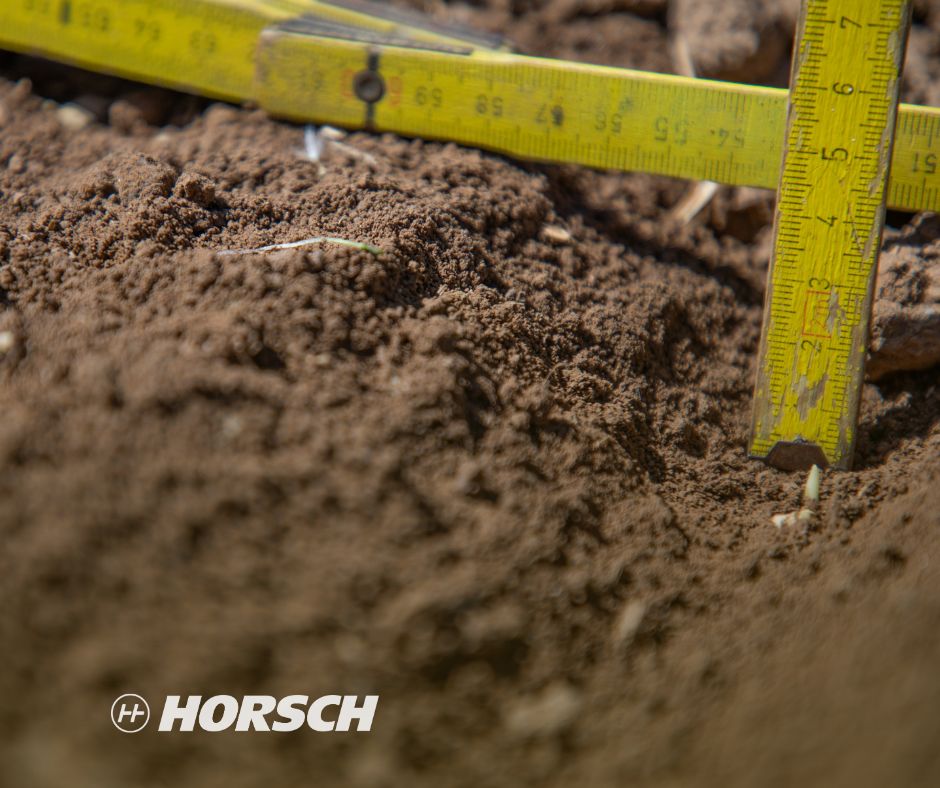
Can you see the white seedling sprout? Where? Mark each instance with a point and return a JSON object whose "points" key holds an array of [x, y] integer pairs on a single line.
{"points": [[810, 502], [811, 490], [313, 145], [318, 140]]}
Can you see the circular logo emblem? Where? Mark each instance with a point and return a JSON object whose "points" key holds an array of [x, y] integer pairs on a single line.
{"points": [[130, 713]]}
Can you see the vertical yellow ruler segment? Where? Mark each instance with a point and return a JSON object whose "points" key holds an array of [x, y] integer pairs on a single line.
{"points": [[830, 215]]}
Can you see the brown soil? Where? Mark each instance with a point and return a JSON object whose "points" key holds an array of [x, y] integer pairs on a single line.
{"points": [[496, 474]]}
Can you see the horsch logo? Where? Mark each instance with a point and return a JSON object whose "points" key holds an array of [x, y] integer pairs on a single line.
{"points": [[130, 713]]}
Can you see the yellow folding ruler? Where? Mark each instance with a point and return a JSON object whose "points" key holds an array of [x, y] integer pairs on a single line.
{"points": [[358, 64], [829, 219]]}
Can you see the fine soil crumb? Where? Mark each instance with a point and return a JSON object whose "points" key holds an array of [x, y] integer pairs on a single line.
{"points": [[495, 474]]}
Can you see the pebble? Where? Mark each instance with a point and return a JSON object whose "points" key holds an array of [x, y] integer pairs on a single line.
{"points": [[16, 164], [628, 623], [545, 714], [73, 117], [555, 234]]}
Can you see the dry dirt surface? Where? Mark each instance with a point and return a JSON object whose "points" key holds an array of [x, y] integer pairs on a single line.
{"points": [[495, 475]]}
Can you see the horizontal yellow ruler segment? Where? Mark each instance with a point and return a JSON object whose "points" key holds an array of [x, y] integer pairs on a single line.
{"points": [[530, 108], [201, 46]]}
